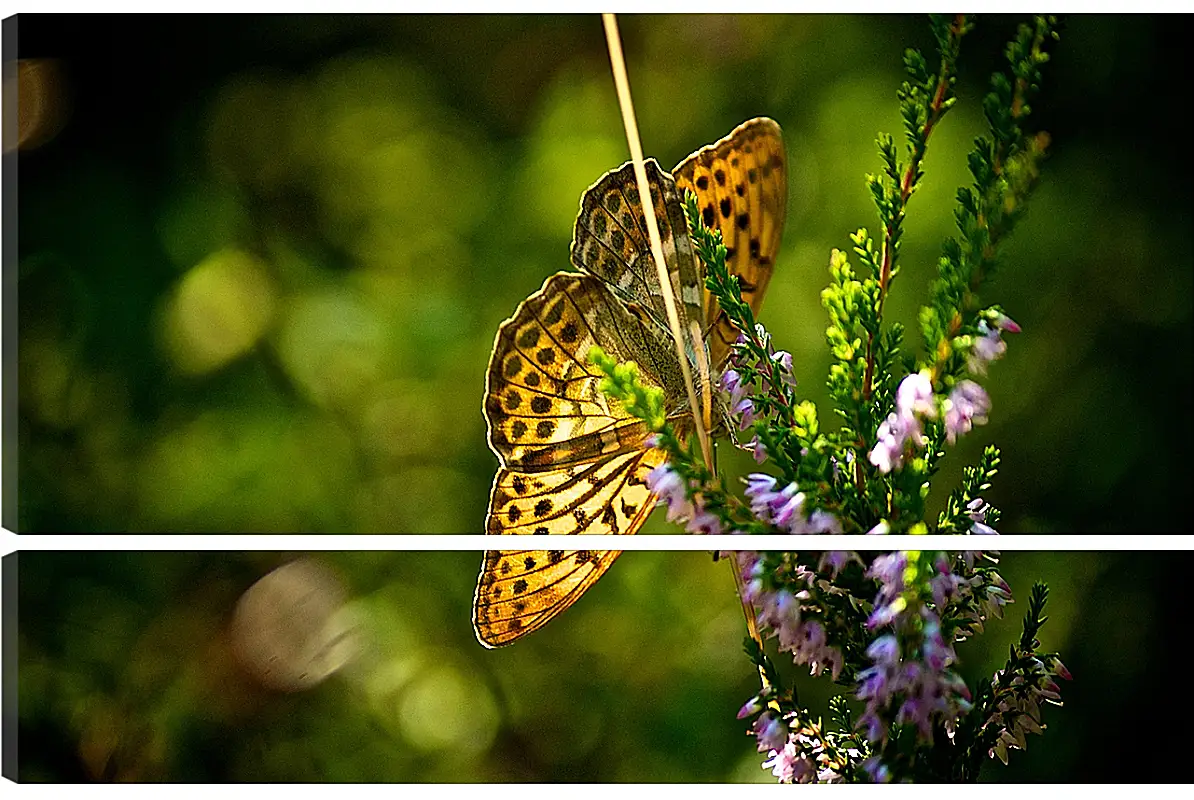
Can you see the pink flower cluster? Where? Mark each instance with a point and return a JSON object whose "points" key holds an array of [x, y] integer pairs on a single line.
{"points": [[780, 613], [909, 680], [673, 492], [795, 753], [784, 508], [966, 406], [740, 406]]}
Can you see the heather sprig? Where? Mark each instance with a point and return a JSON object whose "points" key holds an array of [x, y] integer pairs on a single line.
{"points": [[884, 628]]}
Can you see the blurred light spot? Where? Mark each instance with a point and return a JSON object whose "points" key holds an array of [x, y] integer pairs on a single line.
{"points": [[219, 311], [576, 138], [41, 102], [291, 629], [441, 710], [55, 389], [332, 346]]}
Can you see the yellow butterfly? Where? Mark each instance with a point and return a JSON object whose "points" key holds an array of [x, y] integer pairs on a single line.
{"points": [[572, 461]]}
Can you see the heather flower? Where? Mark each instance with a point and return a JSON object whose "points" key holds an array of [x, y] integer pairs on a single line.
{"points": [[783, 360], [757, 449], [977, 510], [752, 706], [945, 585], [911, 663], [790, 765], [783, 363], [966, 405], [894, 432], [834, 561], [672, 491], [731, 382], [741, 406], [760, 489], [889, 570], [771, 731], [989, 345], [915, 396], [705, 523], [822, 521], [786, 507]]}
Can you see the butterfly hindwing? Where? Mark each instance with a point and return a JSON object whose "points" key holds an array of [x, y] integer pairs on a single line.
{"points": [[520, 591], [741, 187]]}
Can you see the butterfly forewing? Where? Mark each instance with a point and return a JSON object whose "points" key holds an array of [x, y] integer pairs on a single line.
{"points": [[741, 187], [610, 241], [543, 402]]}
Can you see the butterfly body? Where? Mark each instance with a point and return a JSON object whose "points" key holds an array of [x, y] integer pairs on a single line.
{"points": [[572, 461]]}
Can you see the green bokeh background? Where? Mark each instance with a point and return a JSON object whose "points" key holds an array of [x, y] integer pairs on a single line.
{"points": [[260, 269], [128, 672]]}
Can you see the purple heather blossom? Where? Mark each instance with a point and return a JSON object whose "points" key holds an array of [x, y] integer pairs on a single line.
{"points": [[783, 363], [915, 396], [731, 381], [771, 731], [945, 585], [783, 359], [790, 765], [821, 521], [739, 404], [757, 449], [911, 663], [803, 756], [672, 491], [834, 561], [667, 483], [779, 614], [785, 508], [977, 510], [989, 345], [706, 523], [889, 570], [745, 410], [893, 433], [966, 405], [752, 706], [760, 489], [914, 400]]}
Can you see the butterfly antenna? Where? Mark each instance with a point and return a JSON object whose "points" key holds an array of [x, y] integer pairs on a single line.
{"points": [[622, 82]]}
